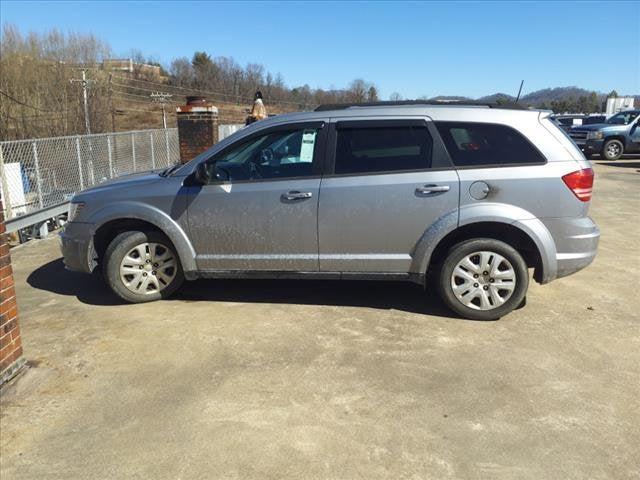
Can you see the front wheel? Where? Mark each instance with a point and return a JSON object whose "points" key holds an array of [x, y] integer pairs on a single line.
{"points": [[483, 279], [612, 149], [142, 266]]}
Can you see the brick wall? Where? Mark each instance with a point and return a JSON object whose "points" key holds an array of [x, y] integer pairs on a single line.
{"points": [[197, 127], [10, 342]]}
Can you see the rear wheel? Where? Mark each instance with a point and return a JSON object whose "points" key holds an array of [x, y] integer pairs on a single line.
{"points": [[142, 266], [483, 279], [612, 149]]}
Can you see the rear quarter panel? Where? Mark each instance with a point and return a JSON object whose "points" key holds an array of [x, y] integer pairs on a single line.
{"points": [[538, 190]]}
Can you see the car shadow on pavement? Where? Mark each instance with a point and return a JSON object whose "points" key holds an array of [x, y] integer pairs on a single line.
{"points": [[403, 296], [90, 289], [407, 297]]}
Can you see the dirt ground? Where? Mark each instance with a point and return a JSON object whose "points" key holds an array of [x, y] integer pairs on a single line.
{"points": [[283, 379]]}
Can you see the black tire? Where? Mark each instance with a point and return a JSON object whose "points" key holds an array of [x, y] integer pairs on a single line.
{"points": [[457, 253], [120, 246], [612, 149]]}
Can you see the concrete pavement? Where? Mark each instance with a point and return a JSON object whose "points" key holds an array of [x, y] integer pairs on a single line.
{"points": [[284, 379]]}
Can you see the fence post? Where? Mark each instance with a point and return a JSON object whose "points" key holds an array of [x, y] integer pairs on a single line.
{"points": [[38, 179], [110, 156], [166, 141], [79, 162], [153, 157], [92, 173], [6, 200], [133, 150]]}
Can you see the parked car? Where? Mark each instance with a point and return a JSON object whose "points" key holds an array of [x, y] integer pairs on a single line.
{"points": [[568, 121], [617, 135], [464, 199]]}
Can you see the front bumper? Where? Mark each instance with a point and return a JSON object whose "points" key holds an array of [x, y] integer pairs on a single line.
{"points": [[592, 146], [76, 245]]}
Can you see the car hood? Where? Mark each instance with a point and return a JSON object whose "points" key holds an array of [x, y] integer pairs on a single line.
{"points": [[590, 128], [124, 181], [598, 126]]}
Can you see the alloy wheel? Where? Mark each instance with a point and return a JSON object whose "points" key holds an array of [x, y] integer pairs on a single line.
{"points": [[148, 268], [483, 280], [613, 150]]}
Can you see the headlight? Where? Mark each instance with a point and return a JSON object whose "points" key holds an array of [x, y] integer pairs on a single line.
{"points": [[594, 135], [74, 210]]}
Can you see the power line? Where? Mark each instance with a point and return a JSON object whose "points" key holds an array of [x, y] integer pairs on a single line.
{"points": [[207, 92], [125, 97], [186, 91], [13, 99]]}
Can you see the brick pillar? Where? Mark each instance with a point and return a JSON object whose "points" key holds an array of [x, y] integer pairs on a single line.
{"points": [[197, 127], [10, 342]]}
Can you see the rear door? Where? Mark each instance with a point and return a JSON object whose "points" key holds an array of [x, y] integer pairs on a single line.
{"points": [[387, 181]]}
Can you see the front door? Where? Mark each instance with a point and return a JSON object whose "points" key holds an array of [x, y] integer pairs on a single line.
{"points": [[634, 135], [389, 182], [260, 211]]}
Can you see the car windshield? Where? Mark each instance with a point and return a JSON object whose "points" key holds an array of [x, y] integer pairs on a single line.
{"points": [[622, 118]]}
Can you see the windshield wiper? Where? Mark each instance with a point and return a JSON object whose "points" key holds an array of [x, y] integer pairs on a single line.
{"points": [[169, 170]]}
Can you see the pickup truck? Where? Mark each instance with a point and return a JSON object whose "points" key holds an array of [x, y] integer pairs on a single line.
{"points": [[617, 135]]}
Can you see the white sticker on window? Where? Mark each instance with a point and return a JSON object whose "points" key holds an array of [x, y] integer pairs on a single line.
{"points": [[308, 142]]}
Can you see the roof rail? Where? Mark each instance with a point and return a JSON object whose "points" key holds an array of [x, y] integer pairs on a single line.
{"points": [[343, 106]]}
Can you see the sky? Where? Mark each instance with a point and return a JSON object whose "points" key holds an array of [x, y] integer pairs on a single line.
{"points": [[415, 49]]}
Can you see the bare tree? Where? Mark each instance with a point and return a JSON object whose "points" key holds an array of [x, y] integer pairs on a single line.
{"points": [[372, 94], [181, 71], [36, 97], [358, 90]]}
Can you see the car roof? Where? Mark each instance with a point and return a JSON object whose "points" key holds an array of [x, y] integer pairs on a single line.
{"points": [[402, 103], [441, 111]]}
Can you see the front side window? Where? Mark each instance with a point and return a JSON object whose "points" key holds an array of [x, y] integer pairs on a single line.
{"points": [[383, 149], [622, 118], [477, 144], [280, 154]]}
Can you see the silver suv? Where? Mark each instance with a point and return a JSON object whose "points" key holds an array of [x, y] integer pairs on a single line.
{"points": [[464, 198]]}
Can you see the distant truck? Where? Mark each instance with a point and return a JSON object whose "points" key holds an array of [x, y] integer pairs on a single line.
{"points": [[567, 121], [617, 135]]}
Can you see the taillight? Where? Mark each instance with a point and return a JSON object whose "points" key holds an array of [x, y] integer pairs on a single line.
{"points": [[580, 183]]}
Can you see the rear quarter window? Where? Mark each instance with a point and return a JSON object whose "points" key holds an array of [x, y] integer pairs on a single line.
{"points": [[485, 144]]}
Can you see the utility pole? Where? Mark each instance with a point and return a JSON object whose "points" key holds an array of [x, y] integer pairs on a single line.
{"points": [[113, 116], [162, 98], [85, 84]]}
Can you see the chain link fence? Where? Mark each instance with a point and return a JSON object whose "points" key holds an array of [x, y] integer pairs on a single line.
{"points": [[45, 172]]}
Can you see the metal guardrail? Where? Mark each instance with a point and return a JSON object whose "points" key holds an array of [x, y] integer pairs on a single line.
{"points": [[39, 176], [35, 218]]}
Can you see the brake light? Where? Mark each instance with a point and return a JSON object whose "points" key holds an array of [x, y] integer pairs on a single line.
{"points": [[580, 183]]}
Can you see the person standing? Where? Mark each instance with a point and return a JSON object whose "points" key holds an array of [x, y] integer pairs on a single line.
{"points": [[258, 110]]}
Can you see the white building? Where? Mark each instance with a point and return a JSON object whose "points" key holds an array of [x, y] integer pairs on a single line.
{"points": [[618, 104]]}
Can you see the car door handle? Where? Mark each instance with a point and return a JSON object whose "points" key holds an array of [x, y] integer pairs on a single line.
{"points": [[427, 189], [296, 195]]}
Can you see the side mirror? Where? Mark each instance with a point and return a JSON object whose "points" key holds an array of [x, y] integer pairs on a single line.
{"points": [[221, 174], [202, 173], [267, 156]]}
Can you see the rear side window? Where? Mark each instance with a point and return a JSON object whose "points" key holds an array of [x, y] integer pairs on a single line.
{"points": [[383, 149], [477, 144]]}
